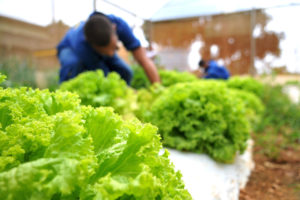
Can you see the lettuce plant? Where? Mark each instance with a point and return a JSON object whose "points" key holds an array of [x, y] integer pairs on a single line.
{"points": [[202, 117], [51, 147], [248, 84], [97, 90], [253, 105], [171, 77], [145, 99], [168, 77], [139, 79]]}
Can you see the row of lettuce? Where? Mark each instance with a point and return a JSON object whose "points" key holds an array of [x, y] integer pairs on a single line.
{"points": [[212, 117], [51, 147], [70, 144], [274, 118]]}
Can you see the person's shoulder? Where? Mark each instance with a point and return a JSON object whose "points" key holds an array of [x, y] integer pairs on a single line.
{"points": [[75, 31], [112, 16], [115, 19]]}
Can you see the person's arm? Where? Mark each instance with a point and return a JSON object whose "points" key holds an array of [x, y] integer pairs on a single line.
{"points": [[132, 44], [139, 55]]}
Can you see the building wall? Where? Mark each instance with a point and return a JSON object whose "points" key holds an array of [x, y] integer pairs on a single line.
{"points": [[231, 33], [36, 43]]}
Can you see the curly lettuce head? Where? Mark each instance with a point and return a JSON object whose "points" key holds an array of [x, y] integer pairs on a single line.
{"points": [[171, 77], [247, 84], [97, 90], [53, 148], [202, 117]]}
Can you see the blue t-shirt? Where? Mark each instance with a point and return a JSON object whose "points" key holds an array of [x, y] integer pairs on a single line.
{"points": [[75, 40], [215, 71]]}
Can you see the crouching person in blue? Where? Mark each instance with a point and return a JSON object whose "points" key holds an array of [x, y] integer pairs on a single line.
{"points": [[92, 45], [213, 70]]}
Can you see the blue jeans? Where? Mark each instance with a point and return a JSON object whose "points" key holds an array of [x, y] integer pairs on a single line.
{"points": [[71, 66]]}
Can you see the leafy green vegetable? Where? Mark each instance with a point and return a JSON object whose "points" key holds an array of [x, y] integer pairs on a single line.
{"points": [[140, 79], [254, 106], [96, 90], [45, 178], [247, 83], [53, 148], [145, 99], [168, 77], [202, 117], [2, 78], [171, 77]]}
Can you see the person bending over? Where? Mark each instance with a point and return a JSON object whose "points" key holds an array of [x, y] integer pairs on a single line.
{"points": [[213, 71], [92, 45]]}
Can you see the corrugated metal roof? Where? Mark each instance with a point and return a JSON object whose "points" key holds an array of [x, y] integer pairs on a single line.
{"points": [[178, 9]]}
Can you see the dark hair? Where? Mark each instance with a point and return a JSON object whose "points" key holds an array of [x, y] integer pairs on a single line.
{"points": [[98, 30], [201, 63]]}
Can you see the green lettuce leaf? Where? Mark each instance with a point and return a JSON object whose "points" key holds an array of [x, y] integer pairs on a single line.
{"points": [[129, 161], [96, 90], [145, 98], [247, 84], [171, 77], [51, 147], [202, 117], [53, 178], [254, 106]]}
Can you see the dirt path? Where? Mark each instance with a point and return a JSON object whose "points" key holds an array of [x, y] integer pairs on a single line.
{"points": [[274, 179]]}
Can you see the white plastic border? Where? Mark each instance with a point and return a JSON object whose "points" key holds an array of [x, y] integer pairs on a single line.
{"points": [[206, 179]]}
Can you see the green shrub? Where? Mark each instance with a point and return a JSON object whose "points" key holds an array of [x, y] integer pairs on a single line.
{"points": [[280, 124], [280, 111]]}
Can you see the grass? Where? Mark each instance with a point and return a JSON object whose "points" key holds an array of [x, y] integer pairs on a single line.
{"points": [[22, 72], [18, 72], [280, 125]]}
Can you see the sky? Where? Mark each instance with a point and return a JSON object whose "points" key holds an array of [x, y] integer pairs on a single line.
{"points": [[72, 11], [42, 12]]}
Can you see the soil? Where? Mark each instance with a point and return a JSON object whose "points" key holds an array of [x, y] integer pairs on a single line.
{"points": [[274, 179]]}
